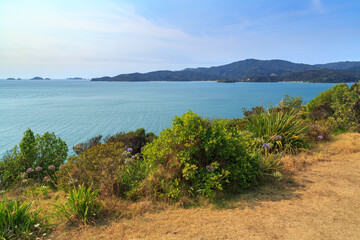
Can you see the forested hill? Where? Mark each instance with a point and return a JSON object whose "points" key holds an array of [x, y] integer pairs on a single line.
{"points": [[160, 76], [313, 76], [251, 67], [253, 70]]}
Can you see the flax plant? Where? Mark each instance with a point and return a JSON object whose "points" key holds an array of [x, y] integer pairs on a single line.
{"points": [[83, 204], [284, 129], [17, 221]]}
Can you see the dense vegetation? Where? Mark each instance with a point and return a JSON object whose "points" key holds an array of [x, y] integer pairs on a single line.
{"points": [[197, 156], [255, 71], [313, 76], [195, 159], [37, 157], [161, 76]]}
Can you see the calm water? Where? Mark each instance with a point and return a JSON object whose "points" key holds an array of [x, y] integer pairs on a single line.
{"points": [[79, 110]]}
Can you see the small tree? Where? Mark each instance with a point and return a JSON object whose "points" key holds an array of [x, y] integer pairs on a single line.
{"points": [[291, 102], [50, 150], [37, 153], [28, 151]]}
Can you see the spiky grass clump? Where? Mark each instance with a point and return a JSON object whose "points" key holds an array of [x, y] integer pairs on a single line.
{"points": [[280, 130], [83, 204], [17, 221]]}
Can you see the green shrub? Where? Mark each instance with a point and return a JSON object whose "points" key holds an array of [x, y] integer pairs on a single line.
{"points": [[278, 130], [323, 98], [99, 165], [10, 168], [82, 204], [345, 104], [28, 151], [254, 110], [237, 123], [38, 156], [133, 172], [134, 140], [290, 102], [17, 221], [340, 103], [199, 157], [109, 167]]}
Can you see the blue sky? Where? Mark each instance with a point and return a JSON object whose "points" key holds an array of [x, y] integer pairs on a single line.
{"points": [[93, 38]]}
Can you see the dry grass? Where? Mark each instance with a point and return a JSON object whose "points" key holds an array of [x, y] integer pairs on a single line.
{"points": [[319, 199], [42, 203]]}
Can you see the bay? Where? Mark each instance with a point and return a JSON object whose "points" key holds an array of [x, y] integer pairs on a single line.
{"points": [[77, 110]]}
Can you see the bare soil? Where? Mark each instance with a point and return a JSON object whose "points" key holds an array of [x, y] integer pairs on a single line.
{"points": [[319, 199]]}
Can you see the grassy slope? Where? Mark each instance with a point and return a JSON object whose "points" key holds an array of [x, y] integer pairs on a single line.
{"points": [[320, 201]]}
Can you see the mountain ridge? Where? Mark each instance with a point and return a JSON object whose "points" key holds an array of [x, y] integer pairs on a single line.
{"points": [[250, 70]]}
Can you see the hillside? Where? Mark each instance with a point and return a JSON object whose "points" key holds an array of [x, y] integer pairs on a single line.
{"points": [[160, 76], [313, 76], [252, 67], [340, 65], [255, 70], [321, 202]]}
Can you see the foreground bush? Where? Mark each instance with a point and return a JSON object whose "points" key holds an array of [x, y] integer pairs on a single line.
{"points": [[36, 157], [320, 130], [82, 204], [341, 104], [109, 167], [134, 140], [279, 130], [17, 221], [99, 165], [199, 157]]}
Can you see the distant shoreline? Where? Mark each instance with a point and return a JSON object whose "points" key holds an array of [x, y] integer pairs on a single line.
{"points": [[64, 79]]}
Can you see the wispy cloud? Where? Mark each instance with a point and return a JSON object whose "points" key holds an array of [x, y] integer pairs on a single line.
{"points": [[106, 37], [318, 6], [110, 35]]}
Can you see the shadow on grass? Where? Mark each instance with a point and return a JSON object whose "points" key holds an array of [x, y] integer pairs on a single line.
{"points": [[271, 190]]}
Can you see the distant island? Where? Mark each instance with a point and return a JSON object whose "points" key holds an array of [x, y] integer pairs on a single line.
{"points": [[75, 78], [39, 78], [253, 70]]}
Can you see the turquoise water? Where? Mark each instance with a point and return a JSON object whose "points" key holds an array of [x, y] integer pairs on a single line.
{"points": [[79, 110]]}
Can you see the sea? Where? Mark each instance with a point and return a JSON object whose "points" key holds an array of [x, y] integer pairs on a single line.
{"points": [[77, 110]]}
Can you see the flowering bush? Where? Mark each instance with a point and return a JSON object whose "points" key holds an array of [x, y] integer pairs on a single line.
{"points": [[133, 141], [99, 165], [109, 167], [199, 157], [36, 153]]}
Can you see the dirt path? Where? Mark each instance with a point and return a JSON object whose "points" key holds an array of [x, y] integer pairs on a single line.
{"points": [[322, 203]]}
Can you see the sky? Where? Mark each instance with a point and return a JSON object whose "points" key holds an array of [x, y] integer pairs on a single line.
{"points": [[95, 38]]}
